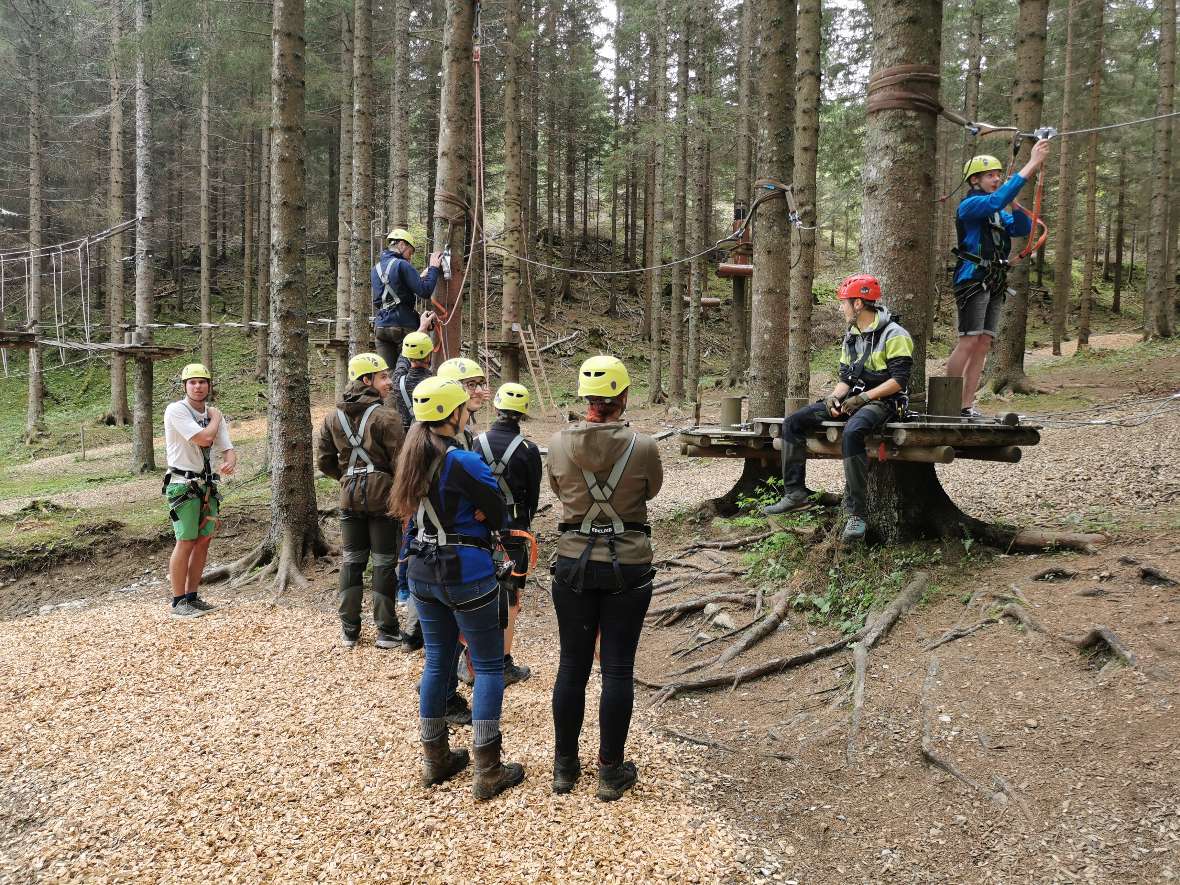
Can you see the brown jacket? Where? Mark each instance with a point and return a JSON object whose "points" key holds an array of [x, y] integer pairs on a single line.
{"points": [[596, 447], [383, 438]]}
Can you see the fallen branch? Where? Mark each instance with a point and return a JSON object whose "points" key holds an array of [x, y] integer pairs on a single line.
{"points": [[1156, 578], [1036, 540], [553, 344]]}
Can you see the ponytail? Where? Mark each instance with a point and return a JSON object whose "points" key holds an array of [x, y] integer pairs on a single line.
{"points": [[412, 476]]}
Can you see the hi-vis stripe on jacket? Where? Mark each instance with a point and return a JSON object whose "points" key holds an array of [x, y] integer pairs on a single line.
{"points": [[885, 349]]}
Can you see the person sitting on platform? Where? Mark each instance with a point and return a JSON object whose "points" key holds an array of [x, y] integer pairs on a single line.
{"points": [[876, 359]]}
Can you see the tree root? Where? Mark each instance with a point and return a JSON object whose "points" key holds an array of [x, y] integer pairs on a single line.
{"points": [[717, 745], [671, 585], [932, 756], [959, 632], [732, 544], [281, 560], [669, 614], [1098, 640], [860, 662]]}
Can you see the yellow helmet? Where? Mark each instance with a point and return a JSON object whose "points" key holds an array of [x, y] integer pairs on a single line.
{"points": [[981, 163], [195, 370], [365, 364], [417, 346], [436, 399], [460, 369], [603, 376], [400, 233], [512, 398]]}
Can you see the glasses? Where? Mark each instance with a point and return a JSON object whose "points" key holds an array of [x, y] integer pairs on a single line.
{"points": [[474, 385]]}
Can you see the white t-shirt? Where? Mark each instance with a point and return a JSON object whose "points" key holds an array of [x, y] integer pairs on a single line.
{"points": [[182, 423]]}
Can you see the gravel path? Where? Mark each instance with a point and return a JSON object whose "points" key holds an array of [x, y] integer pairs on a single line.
{"points": [[245, 746]]}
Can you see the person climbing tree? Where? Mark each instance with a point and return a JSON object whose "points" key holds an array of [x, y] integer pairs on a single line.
{"points": [[194, 432], [876, 359], [516, 464], [358, 445], [457, 508], [985, 234], [603, 473], [396, 287]]}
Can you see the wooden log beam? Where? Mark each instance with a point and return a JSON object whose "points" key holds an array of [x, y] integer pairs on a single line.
{"points": [[965, 436], [692, 451], [821, 448], [1007, 454]]}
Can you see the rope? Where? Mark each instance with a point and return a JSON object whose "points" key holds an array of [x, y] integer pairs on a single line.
{"points": [[905, 88]]}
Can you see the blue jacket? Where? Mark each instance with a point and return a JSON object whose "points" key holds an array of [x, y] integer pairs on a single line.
{"points": [[463, 485], [407, 284], [975, 218]]}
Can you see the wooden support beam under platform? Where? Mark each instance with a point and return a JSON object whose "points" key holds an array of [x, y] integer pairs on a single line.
{"points": [[334, 344], [18, 340]]}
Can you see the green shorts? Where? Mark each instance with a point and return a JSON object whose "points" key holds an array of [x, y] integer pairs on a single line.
{"points": [[192, 517]]}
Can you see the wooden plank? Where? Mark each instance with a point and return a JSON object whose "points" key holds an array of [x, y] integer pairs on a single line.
{"points": [[1008, 454]]}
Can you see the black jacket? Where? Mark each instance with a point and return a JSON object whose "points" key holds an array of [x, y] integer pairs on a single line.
{"points": [[523, 473], [413, 376]]}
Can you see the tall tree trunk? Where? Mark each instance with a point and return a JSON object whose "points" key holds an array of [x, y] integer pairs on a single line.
{"points": [[399, 119], [434, 103], [659, 66], [699, 236], [680, 209], [265, 202], [974, 74], [807, 101], [771, 282], [553, 65], [119, 414], [740, 357], [248, 230], [295, 531], [344, 204], [1028, 96], [143, 456], [205, 232], [35, 411], [362, 175], [1158, 312], [454, 156], [1091, 230], [1066, 189], [513, 208], [1119, 233]]}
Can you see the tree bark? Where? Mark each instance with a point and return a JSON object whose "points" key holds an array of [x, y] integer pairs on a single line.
{"points": [[1028, 96], [771, 282], [655, 292], [807, 103], [248, 231], [1158, 313], [118, 414], [344, 205], [1063, 254], [1119, 233], [206, 240], [399, 119], [743, 164], [35, 411], [1091, 230], [362, 176], [699, 238], [684, 146], [513, 206], [265, 201], [143, 456]]}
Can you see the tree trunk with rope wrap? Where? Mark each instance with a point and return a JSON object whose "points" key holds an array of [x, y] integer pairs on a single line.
{"points": [[1028, 98], [1158, 311]]}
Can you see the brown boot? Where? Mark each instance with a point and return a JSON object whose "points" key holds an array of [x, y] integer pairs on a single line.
{"points": [[439, 764], [491, 777]]}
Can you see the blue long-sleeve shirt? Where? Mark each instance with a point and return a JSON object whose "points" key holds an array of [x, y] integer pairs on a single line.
{"points": [[407, 285], [974, 220]]}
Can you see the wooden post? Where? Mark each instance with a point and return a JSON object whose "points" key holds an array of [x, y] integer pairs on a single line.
{"points": [[945, 398], [82, 437], [731, 411]]}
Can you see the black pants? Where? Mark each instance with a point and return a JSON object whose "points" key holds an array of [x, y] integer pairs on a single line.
{"points": [[600, 606], [366, 535]]}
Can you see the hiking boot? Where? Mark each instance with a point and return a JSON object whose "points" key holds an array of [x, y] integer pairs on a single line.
{"points": [[513, 673], [388, 640], [458, 711], [491, 776], [854, 530], [439, 762], [349, 636], [793, 499], [615, 780], [412, 641], [200, 604], [566, 771], [463, 668], [185, 609]]}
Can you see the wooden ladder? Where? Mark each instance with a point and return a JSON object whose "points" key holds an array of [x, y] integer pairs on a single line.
{"points": [[532, 355]]}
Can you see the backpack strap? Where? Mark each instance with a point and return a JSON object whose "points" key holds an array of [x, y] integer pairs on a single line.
{"points": [[401, 385]]}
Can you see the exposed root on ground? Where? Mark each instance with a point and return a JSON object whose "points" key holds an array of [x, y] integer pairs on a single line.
{"points": [[932, 756], [277, 559], [717, 745], [673, 612]]}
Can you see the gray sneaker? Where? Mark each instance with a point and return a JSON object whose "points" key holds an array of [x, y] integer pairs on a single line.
{"points": [[854, 530], [793, 499], [464, 670], [348, 638], [388, 640], [514, 672], [186, 610], [201, 604]]}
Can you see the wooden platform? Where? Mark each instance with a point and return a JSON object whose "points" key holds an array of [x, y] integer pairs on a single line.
{"points": [[17, 339], [936, 442], [334, 344], [133, 351]]}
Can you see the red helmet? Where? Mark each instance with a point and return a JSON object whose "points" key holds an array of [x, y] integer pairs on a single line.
{"points": [[860, 285]]}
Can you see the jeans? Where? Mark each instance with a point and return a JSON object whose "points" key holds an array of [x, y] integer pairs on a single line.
{"points": [[860, 425], [364, 535], [441, 626], [581, 615]]}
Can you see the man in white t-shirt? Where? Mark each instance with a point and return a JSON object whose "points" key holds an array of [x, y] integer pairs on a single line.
{"points": [[194, 432]]}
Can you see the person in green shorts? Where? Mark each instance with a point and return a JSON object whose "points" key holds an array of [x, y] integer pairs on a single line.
{"points": [[194, 433]]}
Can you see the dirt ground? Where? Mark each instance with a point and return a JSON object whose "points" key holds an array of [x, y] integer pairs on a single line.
{"points": [[247, 746]]}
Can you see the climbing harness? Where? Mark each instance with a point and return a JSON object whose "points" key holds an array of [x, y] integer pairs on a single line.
{"points": [[389, 297], [194, 480], [358, 452], [601, 494], [436, 541], [499, 465], [401, 385], [870, 340]]}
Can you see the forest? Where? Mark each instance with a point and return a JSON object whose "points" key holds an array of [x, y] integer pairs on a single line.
{"points": [[984, 690]]}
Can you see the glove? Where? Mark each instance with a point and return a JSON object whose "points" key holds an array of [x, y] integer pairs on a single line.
{"points": [[853, 404], [832, 403]]}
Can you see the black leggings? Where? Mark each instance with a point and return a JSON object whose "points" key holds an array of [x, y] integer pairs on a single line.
{"points": [[580, 617]]}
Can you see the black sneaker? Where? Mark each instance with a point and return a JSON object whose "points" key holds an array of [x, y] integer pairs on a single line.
{"points": [[201, 605], [349, 637], [513, 673], [458, 712], [412, 641], [388, 640]]}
